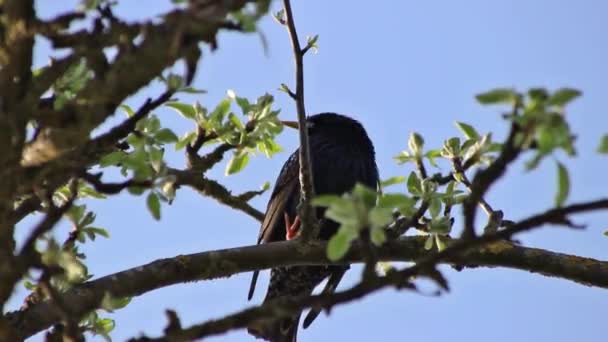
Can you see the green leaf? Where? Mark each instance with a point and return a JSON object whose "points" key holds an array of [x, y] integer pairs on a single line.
{"points": [[432, 155], [563, 185], [403, 157], [220, 111], [415, 143], [111, 303], [497, 96], [435, 207], [338, 245], [380, 217], [28, 285], [393, 181], [185, 140], [468, 130], [413, 184], [243, 103], [538, 94], [563, 96], [186, 110], [603, 148], [154, 205], [428, 243], [366, 194], [191, 90], [439, 242], [344, 211], [166, 136], [237, 163], [98, 231], [325, 200], [175, 82], [112, 158], [127, 110]]}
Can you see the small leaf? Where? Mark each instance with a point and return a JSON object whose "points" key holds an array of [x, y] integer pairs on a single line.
{"points": [[415, 143], [185, 140], [112, 158], [563, 185], [244, 104], [428, 244], [439, 242], [186, 110], [98, 231], [380, 217], [154, 205], [393, 181], [603, 148], [413, 184], [191, 90], [166, 136], [338, 245], [325, 200], [497, 96], [432, 155], [468, 130], [563, 96], [239, 160], [366, 194], [435, 207], [127, 110]]}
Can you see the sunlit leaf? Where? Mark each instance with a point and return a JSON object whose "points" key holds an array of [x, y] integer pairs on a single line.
{"points": [[497, 96], [468, 130], [154, 205], [563, 185]]}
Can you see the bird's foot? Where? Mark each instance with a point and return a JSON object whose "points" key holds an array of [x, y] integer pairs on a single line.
{"points": [[291, 229]]}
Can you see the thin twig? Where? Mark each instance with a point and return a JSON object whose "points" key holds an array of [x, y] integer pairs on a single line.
{"points": [[485, 178], [112, 188], [306, 177]]}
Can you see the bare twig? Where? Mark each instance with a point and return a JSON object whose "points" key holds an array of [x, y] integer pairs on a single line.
{"points": [[485, 178], [213, 189], [308, 218]]}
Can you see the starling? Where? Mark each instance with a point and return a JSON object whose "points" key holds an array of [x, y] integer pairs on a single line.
{"points": [[341, 155]]}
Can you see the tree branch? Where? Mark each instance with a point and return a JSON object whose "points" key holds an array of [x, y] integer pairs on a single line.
{"points": [[306, 177], [213, 189], [485, 250]]}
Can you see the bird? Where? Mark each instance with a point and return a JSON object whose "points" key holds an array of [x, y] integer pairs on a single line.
{"points": [[342, 155]]}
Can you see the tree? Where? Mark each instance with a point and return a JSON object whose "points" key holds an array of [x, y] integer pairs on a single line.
{"points": [[57, 152]]}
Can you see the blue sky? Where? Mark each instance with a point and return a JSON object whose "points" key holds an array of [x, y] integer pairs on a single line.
{"points": [[397, 66]]}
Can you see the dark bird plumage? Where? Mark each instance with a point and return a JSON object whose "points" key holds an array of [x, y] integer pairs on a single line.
{"points": [[341, 155]]}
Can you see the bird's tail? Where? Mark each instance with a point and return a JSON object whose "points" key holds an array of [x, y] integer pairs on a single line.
{"points": [[287, 282]]}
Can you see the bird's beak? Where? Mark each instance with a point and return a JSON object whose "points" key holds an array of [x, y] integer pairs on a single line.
{"points": [[291, 124]]}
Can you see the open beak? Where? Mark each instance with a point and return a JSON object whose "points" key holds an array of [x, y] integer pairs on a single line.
{"points": [[291, 124]]}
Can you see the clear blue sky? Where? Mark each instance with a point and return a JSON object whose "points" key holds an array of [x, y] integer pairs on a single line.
{"points": [[397, 66]]}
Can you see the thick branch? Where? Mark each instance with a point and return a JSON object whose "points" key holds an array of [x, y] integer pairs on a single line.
{"points": [[223, 263]]}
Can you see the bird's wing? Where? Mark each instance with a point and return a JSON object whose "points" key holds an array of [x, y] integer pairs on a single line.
{"points": [[286, 186]]}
